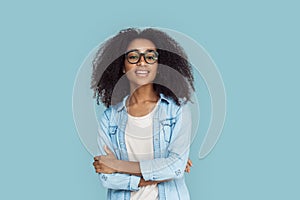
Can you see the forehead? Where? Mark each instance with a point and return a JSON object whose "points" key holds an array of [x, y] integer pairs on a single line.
{"points": [[140, 44]]}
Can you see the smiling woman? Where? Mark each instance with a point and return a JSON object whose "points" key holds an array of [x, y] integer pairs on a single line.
{"points": [[145, 132]]}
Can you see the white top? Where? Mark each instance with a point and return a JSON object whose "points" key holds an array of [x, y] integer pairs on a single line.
{"points": [[139, 144]]}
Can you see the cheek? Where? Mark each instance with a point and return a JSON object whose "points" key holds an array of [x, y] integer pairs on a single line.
{"points": [[155, 68], [128, 66], [129, 70]]}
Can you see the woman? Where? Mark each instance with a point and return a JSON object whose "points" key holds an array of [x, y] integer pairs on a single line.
{"points": [[144, 79]]}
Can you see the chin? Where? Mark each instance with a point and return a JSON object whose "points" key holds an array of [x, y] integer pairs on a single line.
{"points": [[140, 81]]}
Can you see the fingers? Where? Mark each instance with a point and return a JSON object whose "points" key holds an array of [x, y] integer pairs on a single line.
{"points": [[188, 166], [108, 151], [97, 164], [96, 158], [98, 169], [187, 169]]}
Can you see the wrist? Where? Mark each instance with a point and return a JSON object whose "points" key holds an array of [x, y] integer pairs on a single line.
{"points": [[117, 165]]}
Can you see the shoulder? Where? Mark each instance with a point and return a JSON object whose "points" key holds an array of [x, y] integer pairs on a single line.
{"points": [[114, 110], [170, 106]]}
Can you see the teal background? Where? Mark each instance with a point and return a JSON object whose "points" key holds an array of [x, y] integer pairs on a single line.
{"points": [[255, 45]]}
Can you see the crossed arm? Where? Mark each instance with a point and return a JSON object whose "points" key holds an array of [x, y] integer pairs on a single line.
{"points": [[109, 164]]}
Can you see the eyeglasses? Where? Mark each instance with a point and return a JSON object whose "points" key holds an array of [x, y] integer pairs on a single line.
{"points": [[134, 56]]}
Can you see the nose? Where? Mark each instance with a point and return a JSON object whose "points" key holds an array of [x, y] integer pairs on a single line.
{"points": [[141, 61]]}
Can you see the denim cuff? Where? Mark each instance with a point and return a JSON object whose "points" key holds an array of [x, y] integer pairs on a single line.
{"points": [[134, 183], [146, 169]]}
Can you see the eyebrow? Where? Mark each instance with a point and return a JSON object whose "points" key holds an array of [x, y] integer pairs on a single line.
{"points": [[147, 50]]}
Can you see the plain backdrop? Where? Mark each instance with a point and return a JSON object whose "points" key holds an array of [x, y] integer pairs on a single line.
{"points": [[255, 45]]}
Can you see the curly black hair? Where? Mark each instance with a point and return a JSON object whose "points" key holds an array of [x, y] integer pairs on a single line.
{"points": [[174, 77]]}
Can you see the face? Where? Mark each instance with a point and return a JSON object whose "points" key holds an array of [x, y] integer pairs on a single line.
{"points": [[138, 70]]}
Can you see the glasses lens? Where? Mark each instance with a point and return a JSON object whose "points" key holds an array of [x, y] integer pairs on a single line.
{"points": [[151, 57], [133, 57]]}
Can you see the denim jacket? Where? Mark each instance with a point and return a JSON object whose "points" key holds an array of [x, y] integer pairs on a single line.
{"points": [[171, 142]]}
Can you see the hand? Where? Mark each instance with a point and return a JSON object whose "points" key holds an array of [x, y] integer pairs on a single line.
{"points": [[145, 183], [105, 164], [188, 166]]}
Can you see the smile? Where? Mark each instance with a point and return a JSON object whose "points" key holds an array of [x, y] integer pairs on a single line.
{"points": [[142, 73]]}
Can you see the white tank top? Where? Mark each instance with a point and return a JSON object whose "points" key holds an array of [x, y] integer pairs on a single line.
{"points": [[139, 144]]}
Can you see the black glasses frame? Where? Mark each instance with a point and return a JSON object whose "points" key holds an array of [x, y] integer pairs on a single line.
{"points": [[142, 54]]}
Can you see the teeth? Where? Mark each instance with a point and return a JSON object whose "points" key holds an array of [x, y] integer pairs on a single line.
{"points": [[142, 72]]}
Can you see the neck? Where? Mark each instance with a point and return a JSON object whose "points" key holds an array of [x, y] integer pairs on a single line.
{"points": [[143, 94]]}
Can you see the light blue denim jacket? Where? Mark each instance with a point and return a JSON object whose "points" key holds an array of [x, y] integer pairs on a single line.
{"points": [[171, 142]]}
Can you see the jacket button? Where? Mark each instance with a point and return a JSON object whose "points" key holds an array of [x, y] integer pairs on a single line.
{"points": [[104, 177], [178, 172]]}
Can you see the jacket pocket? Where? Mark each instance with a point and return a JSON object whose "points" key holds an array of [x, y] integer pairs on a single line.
{"points": [[167, 127], [112, 130]]}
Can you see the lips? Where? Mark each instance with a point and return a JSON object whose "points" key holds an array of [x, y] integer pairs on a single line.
{"points": [[142, 73]]}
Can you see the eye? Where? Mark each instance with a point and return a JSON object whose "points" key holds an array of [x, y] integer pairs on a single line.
{"points": [[133, 57], [151, 56]]}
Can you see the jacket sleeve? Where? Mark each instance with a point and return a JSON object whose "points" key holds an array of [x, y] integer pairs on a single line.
{"points": [[173, 165], [115, 181]]}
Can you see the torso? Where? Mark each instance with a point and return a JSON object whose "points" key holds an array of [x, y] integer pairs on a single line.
{"points": [[139, 143]]}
